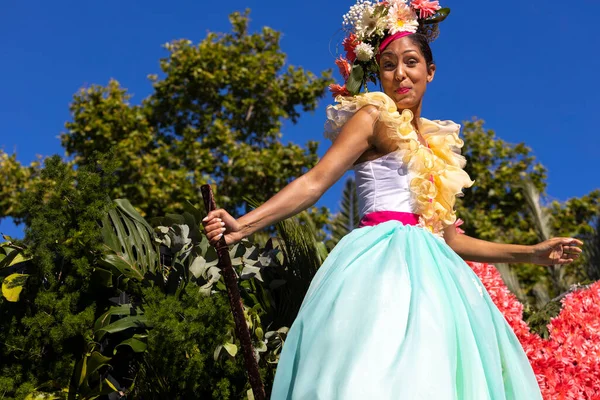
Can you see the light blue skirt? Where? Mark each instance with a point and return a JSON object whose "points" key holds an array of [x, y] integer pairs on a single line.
{"points": [[394, 313]]}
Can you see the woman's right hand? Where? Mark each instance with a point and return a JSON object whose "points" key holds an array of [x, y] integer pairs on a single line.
{"points": [[218, 223]]}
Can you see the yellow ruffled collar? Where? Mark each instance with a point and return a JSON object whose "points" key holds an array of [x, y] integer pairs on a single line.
{"points": [[436, 170]]}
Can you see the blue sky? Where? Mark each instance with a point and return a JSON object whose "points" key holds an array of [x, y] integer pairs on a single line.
{"points": [[529, 69]]}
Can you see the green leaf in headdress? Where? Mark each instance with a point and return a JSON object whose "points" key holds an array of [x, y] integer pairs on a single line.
{"points": [[438, 17], [355, 80]]}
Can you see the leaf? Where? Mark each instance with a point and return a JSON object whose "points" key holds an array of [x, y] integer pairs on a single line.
{"points": [[111, 386], [252, 254], [129, 241], [19, 259], [198, 267], [104, 319], [355, 80], [259, 333], [231, 348], [125, 206], [217, 352], [261, 347], [79, 373], [438, 17], [12, 286], [213, 275], [138, 321], [237, 253], [251, 272], [95, 361], [83, 371], [11, 255], [266, 260], [102, 277], [196, 213], [180, 238], [137, 345], [192, 222]]}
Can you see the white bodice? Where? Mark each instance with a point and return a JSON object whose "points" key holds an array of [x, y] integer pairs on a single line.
{"points": [[383, 184], [434, 176]]}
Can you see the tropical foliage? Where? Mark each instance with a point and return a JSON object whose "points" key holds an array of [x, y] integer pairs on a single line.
{"points": [[107, 302]]}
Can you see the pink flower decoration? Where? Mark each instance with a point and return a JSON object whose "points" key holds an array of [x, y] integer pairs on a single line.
{"points": [[458, 223], [426, 8]]}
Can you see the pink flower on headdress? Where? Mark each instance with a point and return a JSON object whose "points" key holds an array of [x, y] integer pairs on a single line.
{"points": [[401, 18], [344, 67], [350, 44], [337, 90], [458, 223], [426, 8]]}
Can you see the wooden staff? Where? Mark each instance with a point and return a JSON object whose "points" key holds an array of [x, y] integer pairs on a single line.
{"points": [[235, 300]]}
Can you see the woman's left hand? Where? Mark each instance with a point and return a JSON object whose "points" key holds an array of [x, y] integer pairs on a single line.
{"points": [[556, 251]]}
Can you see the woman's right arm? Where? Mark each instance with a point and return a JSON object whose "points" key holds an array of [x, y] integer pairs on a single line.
{"points": [[355, 138]]}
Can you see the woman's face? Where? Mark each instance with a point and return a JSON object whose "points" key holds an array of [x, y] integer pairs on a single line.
{"points": [[404, 73]]}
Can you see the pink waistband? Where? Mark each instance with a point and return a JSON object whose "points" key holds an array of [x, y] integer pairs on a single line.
{"points": [[378, 217]]}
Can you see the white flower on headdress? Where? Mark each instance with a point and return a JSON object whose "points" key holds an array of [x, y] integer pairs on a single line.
{"points": [[369, 24], [355, 14], [364, 52], [401, 18]]}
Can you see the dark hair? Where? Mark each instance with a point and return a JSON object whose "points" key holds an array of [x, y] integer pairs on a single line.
{"points": [[421, 40]]}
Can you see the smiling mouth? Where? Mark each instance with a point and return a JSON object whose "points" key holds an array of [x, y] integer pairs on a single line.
{"points": [[403, 90]]}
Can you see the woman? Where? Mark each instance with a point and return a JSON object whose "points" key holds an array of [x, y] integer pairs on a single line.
{"points": [[394, 312]]}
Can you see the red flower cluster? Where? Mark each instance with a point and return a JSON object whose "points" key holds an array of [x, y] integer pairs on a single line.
{"points": [[567, 365]]}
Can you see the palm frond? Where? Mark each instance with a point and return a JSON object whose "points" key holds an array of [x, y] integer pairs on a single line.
{"points": [[303, 255], [348, 218], [511, 281], [541, 219], [592, 253]]}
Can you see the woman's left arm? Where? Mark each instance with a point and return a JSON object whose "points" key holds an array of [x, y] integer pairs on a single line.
{"points": [[550, 252]]}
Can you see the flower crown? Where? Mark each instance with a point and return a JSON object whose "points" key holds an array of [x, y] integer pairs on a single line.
{"points": [[371, 26]]}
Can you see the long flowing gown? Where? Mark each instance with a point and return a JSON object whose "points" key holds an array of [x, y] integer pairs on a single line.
{"points": [[394, 312]]}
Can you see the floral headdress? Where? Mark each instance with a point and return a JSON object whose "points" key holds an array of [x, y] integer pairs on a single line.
{"points": [[371, 26]]}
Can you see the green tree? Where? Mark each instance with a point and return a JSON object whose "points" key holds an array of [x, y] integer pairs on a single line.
{"points": [[42, 333], [494, 207], [215, 116], [16, 179]]}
